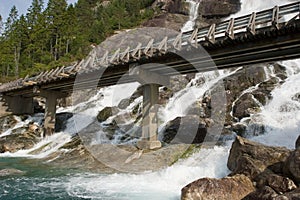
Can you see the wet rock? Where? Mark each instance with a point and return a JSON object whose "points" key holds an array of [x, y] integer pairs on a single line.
{"points": [[244, 106], [266, 155], [239, 129], [7, 122], [10, 172], [105, 113], [188, 129], [265, 193], [297, 145], [292, 165], [229, 188], [280, 184], [20, 139], [62, 120]]}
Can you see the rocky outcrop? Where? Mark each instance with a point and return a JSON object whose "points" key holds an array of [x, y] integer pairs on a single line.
{"points": [[7, 122], [273, 171], [167, 20], [297, 144], [20, 139], [218, 8], [229, 188]]}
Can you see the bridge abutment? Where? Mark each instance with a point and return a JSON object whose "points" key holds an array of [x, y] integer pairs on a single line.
{"points": [[150, 121]]}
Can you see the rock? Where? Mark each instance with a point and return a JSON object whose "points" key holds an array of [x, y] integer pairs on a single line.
{"points": [[124, 103], [167, 20], [239, 129], [280, 184], [244, 105], [188, 129], [106, 112], [265, 193], [229, 188], [292, 166], [297, 145], [20, 139], [293, 195], [267, 156], [10, 172], [62, 120], [7, 122], [218, 8]]}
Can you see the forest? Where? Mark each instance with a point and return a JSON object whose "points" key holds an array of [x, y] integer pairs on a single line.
{"points": [[58, 34]]}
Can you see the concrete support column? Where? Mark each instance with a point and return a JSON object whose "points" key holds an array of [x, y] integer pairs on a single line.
{"points": [[50, 113], [149, 121]]}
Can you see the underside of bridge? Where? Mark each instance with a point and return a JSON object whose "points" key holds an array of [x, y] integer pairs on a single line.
{"points": [[261, 37]]}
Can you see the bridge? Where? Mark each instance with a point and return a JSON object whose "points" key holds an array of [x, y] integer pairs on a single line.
{"points": [[260, 37]]}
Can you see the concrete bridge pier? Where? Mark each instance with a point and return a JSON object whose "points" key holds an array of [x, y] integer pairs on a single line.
{"points": [[50, 112], [150, 121]]}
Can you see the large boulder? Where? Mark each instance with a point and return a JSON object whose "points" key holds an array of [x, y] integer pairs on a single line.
{"points": [[245, 106], [292, 165], [229, 188], [261, 156], [188, 129]]}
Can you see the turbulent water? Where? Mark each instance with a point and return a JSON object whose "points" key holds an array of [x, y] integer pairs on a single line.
{"points": [[281, 118]]}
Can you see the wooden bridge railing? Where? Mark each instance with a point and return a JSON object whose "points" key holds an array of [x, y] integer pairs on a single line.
{"points": [[273, 18]]}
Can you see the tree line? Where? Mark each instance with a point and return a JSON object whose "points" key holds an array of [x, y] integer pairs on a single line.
{"points": [[58, 33]]}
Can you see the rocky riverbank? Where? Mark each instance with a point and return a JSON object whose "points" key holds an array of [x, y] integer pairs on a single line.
{"points": [[258, 172]]}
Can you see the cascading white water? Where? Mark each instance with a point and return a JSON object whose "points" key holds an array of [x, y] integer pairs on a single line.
{"points": [[193, 14]]}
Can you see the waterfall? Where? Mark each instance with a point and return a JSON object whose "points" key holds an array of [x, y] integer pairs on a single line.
{"points": [[193, 14]]}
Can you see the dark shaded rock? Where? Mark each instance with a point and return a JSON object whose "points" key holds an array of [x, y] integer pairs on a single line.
{"points": [[61, 121], [265, 193], [172, 6], [293, 195], [244, 106], [292, 165], [7, 122], [264, 154], [188, 129], [297, 145], [105, 113], [239, 129], [261, 97], [280, 184], [218, 8], [10, 172], [229, 188]]}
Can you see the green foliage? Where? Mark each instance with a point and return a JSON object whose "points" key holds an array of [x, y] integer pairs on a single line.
{"points": [[60, 33]]}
